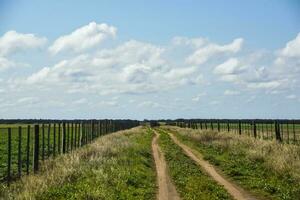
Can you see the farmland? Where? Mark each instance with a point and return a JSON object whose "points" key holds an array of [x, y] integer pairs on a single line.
{"points": [[122, 165]]}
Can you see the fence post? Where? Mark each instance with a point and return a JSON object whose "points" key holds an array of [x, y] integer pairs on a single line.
{"points": [[9, 156], [64, 137], [72, 135], [20, 152], [59, 139], [43, 142], [67, 145], [240, 128], [48, 142], [254, 129], [218, 126], [54, 139], [288, 132], [277, 131], [80, 134], [294, 133], [228, 128], [28, 150], [36, 148]]}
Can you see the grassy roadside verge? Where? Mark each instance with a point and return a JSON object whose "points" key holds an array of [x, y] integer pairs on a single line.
{"points": [[116, 166], [266, 168], [190, 181]]}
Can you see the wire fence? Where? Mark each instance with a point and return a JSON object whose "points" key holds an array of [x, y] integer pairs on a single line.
{"points": [[24, 146], [287, 131]]}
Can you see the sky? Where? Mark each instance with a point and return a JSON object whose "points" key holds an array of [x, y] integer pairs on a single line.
{"points": [[149, 59]]}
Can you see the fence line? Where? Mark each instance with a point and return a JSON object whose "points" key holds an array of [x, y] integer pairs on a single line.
{"points": [[287, 131], [24, 147]]}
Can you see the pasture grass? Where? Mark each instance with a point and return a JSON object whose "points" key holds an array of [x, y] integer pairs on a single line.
{"points": [[115, 166], [190, 181], [267, 168]]}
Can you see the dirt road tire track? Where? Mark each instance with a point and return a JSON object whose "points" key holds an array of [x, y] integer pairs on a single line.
{"points": [[166, 189], [235, 191]]}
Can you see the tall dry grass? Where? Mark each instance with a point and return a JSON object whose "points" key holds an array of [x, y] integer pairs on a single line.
{"points": [[61, 169], [283, 159]]}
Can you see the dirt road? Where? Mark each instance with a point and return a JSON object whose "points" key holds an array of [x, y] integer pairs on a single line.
{"points": [[235, 191], [167, 190]]}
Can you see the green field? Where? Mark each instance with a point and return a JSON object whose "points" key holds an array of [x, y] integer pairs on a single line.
{"points": [[46, 145]]}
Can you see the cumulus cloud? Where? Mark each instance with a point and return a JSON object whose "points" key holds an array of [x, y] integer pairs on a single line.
{"points": [[230, 66], [291, 96], [84, 38], [133, 67], [292, 48], [149, 104], [198, 97], [6, 64], [231, 92], [12, 42], [194, 42], [204, 53]]}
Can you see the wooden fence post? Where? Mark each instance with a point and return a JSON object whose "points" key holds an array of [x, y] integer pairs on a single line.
{"points": [[36, 148], [43, 142], [9, 156], [54, 139], [277, 131], [59, 139], [48, 141], [240, 128], [28, 150], [294, 132], [218, 126], [228, 128], [64, 138], [20, 152], [254, 129]]}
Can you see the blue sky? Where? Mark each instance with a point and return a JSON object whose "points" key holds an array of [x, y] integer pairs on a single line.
{"points": [[149, 59]]}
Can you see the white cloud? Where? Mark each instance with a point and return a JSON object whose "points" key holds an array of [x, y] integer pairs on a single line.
{"points": [[292, 48], [132, 67], [84, 38], [214, 103], [265, 85], [198, 97], [6, 64], [231, 66], [13, 42], [149, 104], [203, 54], [80, 101], [28, 100], [231, 92], [194, 42], [292, 96]]}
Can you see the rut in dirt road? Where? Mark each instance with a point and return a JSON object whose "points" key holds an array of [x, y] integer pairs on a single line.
{"points": [[235, 191], [167, 190]]}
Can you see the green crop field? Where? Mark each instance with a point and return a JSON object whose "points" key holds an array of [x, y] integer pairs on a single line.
{"points": [[46, 146]]}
